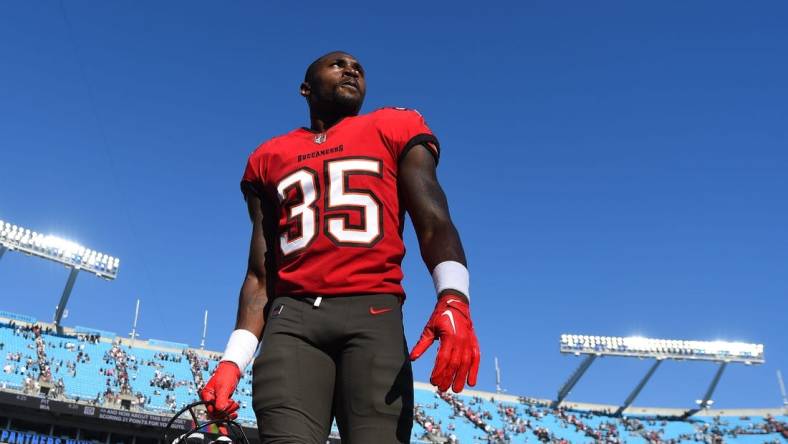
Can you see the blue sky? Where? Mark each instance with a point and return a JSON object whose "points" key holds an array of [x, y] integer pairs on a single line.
{"points": [[614, 168]]}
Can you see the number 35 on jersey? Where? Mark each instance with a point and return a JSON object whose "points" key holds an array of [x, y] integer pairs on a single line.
{"points": [[300, 191]]}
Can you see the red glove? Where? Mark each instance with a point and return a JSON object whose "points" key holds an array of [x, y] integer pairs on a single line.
{"points": [[218, 390], [458, 355]]}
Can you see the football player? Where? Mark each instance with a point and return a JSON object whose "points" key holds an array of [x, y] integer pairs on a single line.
{"points": [[322, 289]]}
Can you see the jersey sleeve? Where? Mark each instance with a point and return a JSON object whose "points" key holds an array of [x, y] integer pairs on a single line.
{"points": [[405, 128], [252, 180]]}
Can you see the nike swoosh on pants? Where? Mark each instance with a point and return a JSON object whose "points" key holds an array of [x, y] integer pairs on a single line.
{"points": [[377, 311]]}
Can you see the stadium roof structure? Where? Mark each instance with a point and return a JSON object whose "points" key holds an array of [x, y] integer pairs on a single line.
{"points": [[74, 256], [720, 352], [639, 347]]}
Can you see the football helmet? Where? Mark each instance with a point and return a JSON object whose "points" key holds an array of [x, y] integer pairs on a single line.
{"points": [[183, 428]]}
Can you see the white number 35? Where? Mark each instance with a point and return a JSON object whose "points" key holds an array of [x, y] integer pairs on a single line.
{"points": [[340, 196]]}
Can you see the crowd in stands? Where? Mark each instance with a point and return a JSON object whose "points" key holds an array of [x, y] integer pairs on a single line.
{"points": [[495, 422], [165, 381], [167, 357], [34, 366], [12, 357], [90, 338], [121, 360], [429, 423], [477, 416], [514, 423], [527, 418], [45, 373], [197, 365], [607, 432]]}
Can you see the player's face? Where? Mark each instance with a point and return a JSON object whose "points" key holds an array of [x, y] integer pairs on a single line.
{"points": [[338, 82]]}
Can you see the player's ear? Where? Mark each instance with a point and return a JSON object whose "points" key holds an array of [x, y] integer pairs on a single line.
{"points": [[305, 89]]}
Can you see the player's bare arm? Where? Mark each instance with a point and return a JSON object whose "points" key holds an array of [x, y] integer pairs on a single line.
{"points": [[428, 208], [458, 356], [254, 295], [249, 321]]}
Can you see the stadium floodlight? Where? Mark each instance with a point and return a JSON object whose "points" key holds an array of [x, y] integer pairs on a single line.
{"points": [[721, 352], [639, 347], [68, 253], [74, 256]]}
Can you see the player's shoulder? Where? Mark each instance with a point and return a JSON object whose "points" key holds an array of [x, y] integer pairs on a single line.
{"points": [[272, 143], [396, 118], [396, 113]]}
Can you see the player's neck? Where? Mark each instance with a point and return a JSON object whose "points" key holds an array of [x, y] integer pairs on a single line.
{"points": [[322, 122]]}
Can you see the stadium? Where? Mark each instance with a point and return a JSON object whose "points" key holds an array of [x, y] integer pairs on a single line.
{"points": [[92, 386], [603, 183], [69, 385]]}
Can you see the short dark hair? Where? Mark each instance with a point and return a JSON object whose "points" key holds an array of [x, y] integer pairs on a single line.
{"points": [[310, 70]]}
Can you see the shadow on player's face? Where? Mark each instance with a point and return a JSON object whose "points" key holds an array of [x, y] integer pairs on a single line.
{"points": [[337, 82]]}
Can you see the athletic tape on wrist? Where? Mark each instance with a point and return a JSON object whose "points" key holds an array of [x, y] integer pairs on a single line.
{"points": [[452, 275], [240, 348]]}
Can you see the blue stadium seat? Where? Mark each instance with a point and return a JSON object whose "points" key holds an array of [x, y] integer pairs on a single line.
{"points": [[444, 415], [13, 343], [90, 383]]}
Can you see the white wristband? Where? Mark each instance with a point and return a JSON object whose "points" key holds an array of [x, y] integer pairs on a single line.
{"points": [[452, 275], [241, 348]]}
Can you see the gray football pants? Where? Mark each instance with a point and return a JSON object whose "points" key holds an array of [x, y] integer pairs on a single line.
{"points": [[345, 359]]}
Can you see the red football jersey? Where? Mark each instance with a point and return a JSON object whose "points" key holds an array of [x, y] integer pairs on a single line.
{"points": [[339, 220]]}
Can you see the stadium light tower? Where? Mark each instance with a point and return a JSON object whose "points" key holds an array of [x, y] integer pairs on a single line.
{"points": [[204, 330], [498, 387], [74, 256], [134, 333], [719, 352]]}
